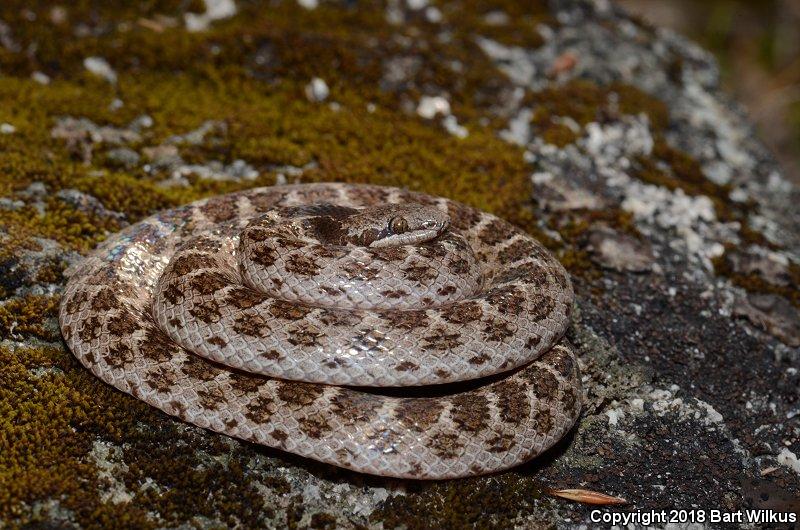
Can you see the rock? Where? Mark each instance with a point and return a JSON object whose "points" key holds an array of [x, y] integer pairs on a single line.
{"points": [[430, 106], [215, 10], [82, 129], [41, 78], [100, 67], [772, 313], [317, 90], [198, 135], [620, 251], [123, 157], [773, 267], [88, 204], [10, 204], [607, 139]]}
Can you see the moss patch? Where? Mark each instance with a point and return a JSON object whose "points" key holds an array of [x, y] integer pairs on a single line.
{"points": [[754, 283]]}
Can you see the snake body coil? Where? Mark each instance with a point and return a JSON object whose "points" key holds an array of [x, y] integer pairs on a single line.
{"points": [[247, 313]]}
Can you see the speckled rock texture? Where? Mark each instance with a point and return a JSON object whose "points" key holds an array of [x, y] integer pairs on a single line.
{"points": [[607, 139]]}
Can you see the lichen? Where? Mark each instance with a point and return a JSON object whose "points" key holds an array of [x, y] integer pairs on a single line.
{"points": [[754, 283]]}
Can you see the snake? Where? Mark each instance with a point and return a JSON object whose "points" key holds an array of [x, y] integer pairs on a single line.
{"points": [[378, 329]]}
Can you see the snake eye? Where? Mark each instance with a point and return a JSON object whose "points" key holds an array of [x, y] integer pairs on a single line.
{"points": [[398, 225]]}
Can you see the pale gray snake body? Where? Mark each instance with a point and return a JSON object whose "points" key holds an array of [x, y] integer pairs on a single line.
{"points": [[276, 315]]}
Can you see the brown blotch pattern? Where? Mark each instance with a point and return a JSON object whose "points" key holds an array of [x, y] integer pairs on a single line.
{"points": [[390, 253], [260, 410], [212, 398], [394, 293], [173, 292], [418, 414], [412, 319], [199, 369], [244, 298], [497, 330], [462, 217], [354, 407], [359, 271], [570, 399], [447, 290], [446, 445], [544, 419], [304, 335], [563, 363], [91, 328], [104, 301], [219, 342], [223, 209], [470, 411], [495, 232], [74, 303], [157, 347], [301, 264], [479, 359], [263, 254], [463, 312], [299, 394], [512, 401], [119, 354], [252, 326], [314, 426], [122, 324], [406, 366], [507, 299], [500, 443], [245, 384], [369, 195], [420, 273], [207, 311], [516, 251], [338, 317], [288, 311], [207, 282], [458, 265], [272, 355], [544, 385], [161, 379], [532, 342], [186, 263], [441, 339]]}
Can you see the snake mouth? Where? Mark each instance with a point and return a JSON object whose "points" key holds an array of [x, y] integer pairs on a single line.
{"points": [[407, 238]]}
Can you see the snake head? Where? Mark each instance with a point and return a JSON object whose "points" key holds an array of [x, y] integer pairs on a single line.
{"points": [[394, 225]]}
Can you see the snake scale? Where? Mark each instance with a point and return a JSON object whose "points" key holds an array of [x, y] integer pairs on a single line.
{"points": [[282, 316]]}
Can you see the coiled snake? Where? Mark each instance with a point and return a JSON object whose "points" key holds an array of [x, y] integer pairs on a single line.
{"points": [[276, 315]]}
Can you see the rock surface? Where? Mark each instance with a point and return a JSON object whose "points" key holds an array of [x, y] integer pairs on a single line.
{"points": [[607, 139]]}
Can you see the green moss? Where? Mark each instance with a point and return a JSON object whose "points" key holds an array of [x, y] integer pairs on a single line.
{"points": [[575, 228], [584, 102], [26, 315], [520, 30], [491, 502], [754, 283], [558, 134]]}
